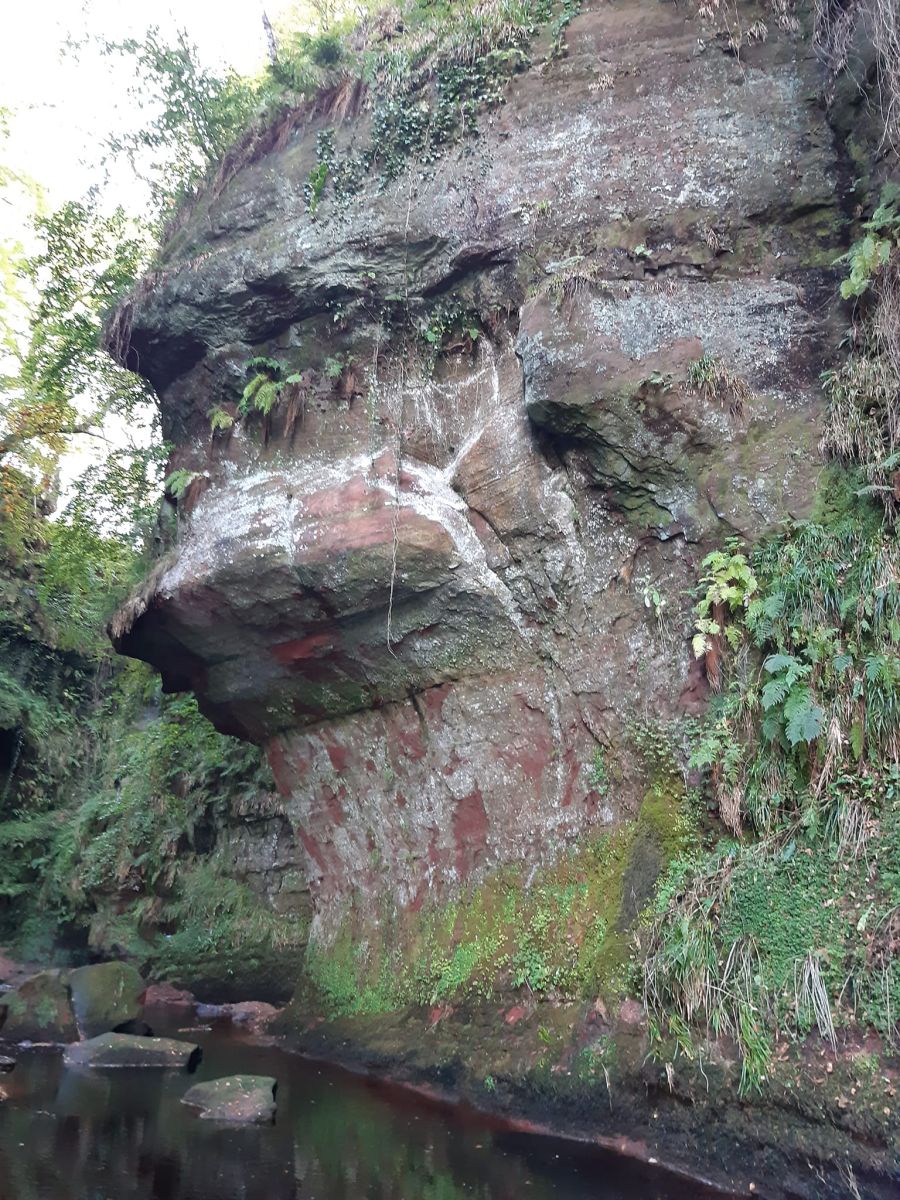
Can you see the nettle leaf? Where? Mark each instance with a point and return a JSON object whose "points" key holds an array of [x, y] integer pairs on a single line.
{"points": [[804, 717]]}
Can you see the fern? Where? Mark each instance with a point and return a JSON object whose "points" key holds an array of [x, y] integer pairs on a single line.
{"points": [[263, 365], [179, 481], [220, 419], [266, 397]]}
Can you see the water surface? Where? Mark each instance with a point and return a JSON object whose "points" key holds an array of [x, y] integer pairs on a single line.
{"points": [[72, 1134]]}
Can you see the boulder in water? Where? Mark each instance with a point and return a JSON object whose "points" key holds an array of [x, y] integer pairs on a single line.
{"points": [[126, 1050], [249, 1099], [105, 996], [39, 1010], [166, 995]]}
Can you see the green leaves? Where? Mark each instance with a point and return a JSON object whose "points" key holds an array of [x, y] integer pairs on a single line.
{"points": [[219, 419], [871, 254], [179, 481], [262, 392], [866, 257], [191, 116], [67, 390], [801, 718], [730, 587]]}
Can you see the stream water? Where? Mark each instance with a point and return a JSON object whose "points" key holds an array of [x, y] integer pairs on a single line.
{"points": [[69, 1134]]}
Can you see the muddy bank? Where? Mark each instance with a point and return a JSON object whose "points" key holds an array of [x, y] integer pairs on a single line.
{"points": [[824, 1124]]}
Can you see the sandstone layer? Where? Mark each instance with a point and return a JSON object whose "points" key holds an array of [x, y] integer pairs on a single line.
{"points": [[436, 587]]}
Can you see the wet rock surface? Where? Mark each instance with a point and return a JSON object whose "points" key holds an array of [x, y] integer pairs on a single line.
{"points": [[254, 1015], [39, 1010], [105, 996], [245, 1099], [127, 1050], [65, 1005]]}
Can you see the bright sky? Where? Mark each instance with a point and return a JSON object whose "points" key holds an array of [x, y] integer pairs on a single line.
{"points": [[63, 107]]}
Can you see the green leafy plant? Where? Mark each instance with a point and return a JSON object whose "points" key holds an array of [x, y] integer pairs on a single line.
{"points": [[449, 322], [870, 255], [730, 585], [219, 419], [262, 392], [600, 773], [315, 186], [179, 481], [791, 710]]}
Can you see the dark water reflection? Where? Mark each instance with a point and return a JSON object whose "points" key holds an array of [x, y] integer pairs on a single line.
{"points": [[123, 1135]]}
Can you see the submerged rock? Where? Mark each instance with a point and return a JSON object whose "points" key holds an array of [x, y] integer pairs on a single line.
{"points": [[126, 1050], [254, 1015], [105, 996], [246, 1098], [166, 995], [6, 1064], [40, 1010]]}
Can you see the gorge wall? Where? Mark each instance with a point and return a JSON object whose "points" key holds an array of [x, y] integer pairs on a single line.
{"points": [[523, 389]]}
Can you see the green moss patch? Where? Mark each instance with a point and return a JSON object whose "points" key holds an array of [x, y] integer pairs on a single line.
{"points": [[568, 934]]}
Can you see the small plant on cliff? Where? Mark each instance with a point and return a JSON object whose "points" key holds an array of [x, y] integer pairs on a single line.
{"points": [[710, 378], [449, 326], [315, 186], [261, 393], [863, 422], [265, 389], [219, 419], [730, 585], [600, 772], [870, 254], [179, 481]]}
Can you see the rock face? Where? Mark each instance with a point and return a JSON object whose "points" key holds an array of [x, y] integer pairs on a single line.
{"points": [[61, 1006], [126, 1050], [435, 590], [246, 1099], [40, 1010], [105, 996]]}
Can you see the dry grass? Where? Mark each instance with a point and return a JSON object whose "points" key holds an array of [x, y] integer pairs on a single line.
{"points": [[573, 277], [811, 997], [836, 25], [710, 378], [863, 422], [129, 613]]}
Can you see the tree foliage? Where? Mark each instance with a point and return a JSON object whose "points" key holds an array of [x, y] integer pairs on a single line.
{"points": [[191, 115], [60, 384]]}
